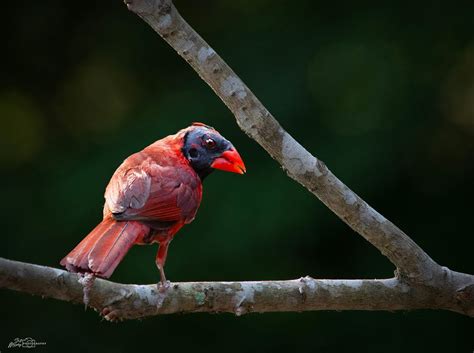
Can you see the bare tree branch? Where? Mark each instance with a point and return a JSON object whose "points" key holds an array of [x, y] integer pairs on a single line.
{"points": [[412, 263], [129, 301], [420, 283]]}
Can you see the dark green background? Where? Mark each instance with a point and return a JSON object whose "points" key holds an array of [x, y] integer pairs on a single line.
{"points": [[383, 93]]}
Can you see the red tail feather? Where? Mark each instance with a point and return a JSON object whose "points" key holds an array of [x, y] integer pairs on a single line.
{"points": [[102, 250]]}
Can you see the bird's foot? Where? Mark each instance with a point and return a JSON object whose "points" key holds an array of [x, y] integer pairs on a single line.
{"points": [[162, 287], [110, 314]]}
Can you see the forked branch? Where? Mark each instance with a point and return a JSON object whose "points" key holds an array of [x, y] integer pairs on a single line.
{"points": [[420, 283]]}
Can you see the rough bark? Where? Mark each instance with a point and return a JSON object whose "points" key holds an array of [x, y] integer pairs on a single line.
{"points": [[420, 283]]}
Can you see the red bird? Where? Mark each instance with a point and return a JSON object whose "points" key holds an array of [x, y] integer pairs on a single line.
{"points": [[151, 196]]}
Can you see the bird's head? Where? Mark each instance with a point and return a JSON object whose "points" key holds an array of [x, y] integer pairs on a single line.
{"points": [[206, 150]]}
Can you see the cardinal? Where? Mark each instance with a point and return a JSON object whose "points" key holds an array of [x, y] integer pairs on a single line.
{"points": [[151, 195]]}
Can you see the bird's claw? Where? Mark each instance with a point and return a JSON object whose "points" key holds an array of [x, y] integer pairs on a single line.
{"points": [[163, 286], [110, 314]]}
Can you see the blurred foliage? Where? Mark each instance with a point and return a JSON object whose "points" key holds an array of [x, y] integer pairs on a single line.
{"points": [[383, 92], [22, 134]]}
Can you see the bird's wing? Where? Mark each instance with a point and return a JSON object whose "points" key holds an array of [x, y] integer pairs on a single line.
{"points": [[154, 193]]}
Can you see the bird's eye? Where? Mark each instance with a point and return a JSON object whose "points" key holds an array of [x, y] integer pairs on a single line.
{"points": [[193, 153], [210, 143]]}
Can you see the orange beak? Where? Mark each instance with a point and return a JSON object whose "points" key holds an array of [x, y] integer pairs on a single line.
{"points": [[230, 161]]}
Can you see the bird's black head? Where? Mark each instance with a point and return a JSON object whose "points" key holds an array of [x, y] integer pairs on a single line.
{"points": [[206, 150]]}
